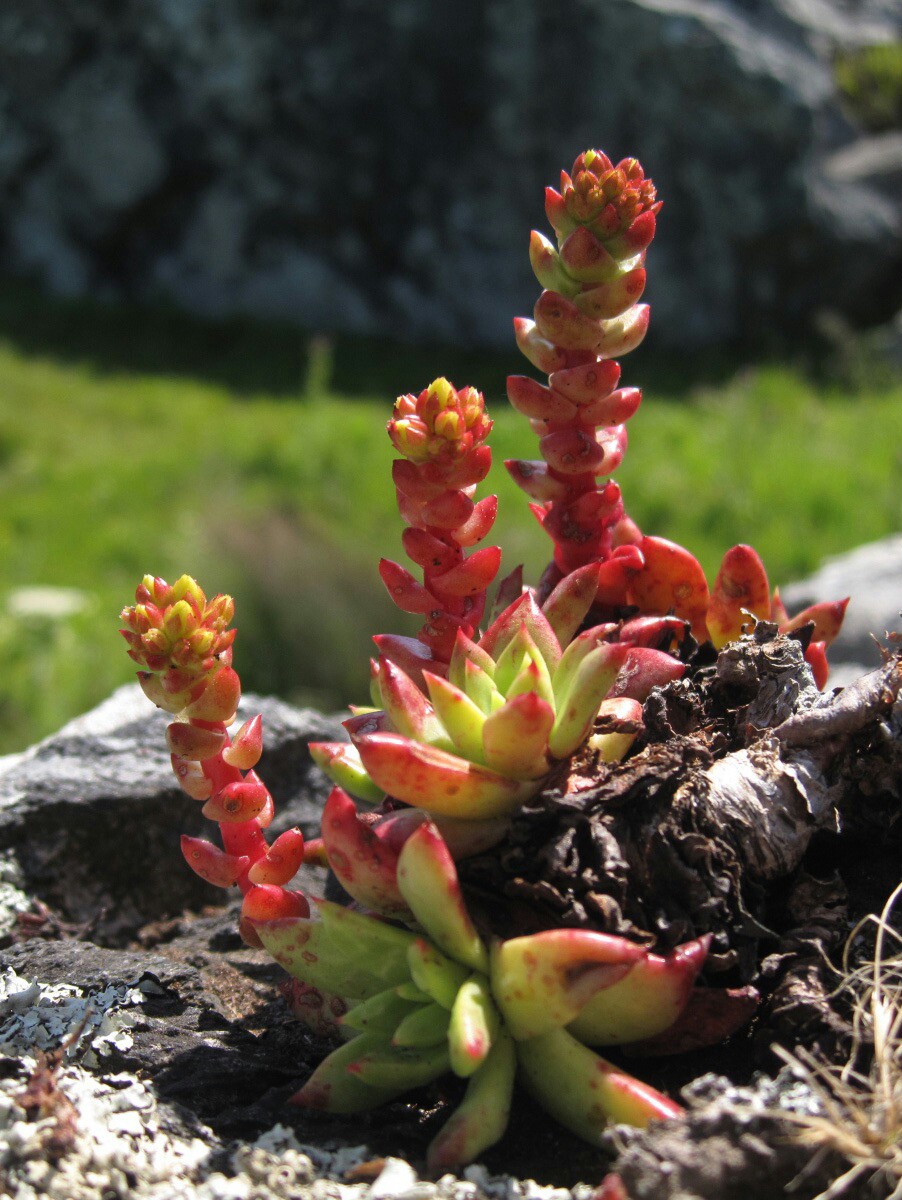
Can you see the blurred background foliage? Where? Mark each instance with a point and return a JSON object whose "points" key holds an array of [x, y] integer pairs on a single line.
{"points": [[870, 79], [254, 457]]}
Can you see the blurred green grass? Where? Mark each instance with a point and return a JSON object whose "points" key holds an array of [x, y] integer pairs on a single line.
{"points": [[136, 440]]}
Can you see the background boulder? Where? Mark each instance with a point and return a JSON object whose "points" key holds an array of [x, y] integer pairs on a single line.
{"points": [[374, 167]]}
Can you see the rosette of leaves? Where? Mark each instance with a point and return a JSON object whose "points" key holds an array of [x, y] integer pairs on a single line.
{"points": [[438, 999], [468, 749]]}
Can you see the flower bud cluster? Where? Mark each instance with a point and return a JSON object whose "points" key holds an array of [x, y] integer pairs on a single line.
{"points": [[441, 424], [607, 199], [179, 636]]}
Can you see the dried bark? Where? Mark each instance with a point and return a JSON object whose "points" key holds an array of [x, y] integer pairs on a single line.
{"points": [[747, 778]]}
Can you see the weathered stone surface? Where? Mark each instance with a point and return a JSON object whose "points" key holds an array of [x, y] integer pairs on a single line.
{"points": [[872, 576], [266, 158], [93, 813]]}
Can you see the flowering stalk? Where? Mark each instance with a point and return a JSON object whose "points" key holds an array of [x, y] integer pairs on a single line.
{"points": [[604, 218], [185, 645], [441, 434]]}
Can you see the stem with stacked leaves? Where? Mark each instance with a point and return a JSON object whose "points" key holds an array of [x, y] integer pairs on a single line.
{"points": [[441, 434], [604, 218], [184, 644]]}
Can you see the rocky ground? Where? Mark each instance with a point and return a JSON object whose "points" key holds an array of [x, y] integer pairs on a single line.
{"points": [[147, 1052]]}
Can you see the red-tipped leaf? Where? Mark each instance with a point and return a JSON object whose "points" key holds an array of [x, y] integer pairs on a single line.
{"points": [[212, 864], [672, 581], [282, 860]]}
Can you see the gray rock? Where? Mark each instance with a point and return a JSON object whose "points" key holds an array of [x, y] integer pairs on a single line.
{"points": [[93, 814], [267, 159], [871, 576], [875, 160], [105, 143]]}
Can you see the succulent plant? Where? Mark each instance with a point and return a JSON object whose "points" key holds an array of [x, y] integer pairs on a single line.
{"points": [[439, 999], [514, 704], [436, 997], [185, 645], [604, 218], [466, 725], [441, 434]]}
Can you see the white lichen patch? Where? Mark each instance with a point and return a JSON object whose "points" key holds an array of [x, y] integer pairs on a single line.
{"points": [[120, 1149], [13, 898], [110, 1139], [88, 1025], [126, 1149]]}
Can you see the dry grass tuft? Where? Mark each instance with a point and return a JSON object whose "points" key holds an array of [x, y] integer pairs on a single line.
{"points": [[858, 1109]]}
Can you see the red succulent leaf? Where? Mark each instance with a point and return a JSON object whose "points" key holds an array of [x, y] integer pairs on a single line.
{"points": [[536, 479], [267, 902], [194, 743], [449, 510], [573, 451], [237, 802], [672, 581], [614, 409], [563, 324], [430, 550], [657, 632], [827, 617], [479, 522], [410, 712], [365, 864], [471, 576], [643, 670], [219, 699], [541, 352], [212, 864], [608, 300], [464, 472], [411, 481], [616, 574], [586, 384], [282, 860], [534, 400], [741, 587], [409, 595], [816, 658], [586, 259], [410, 654], [246, 746]]}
